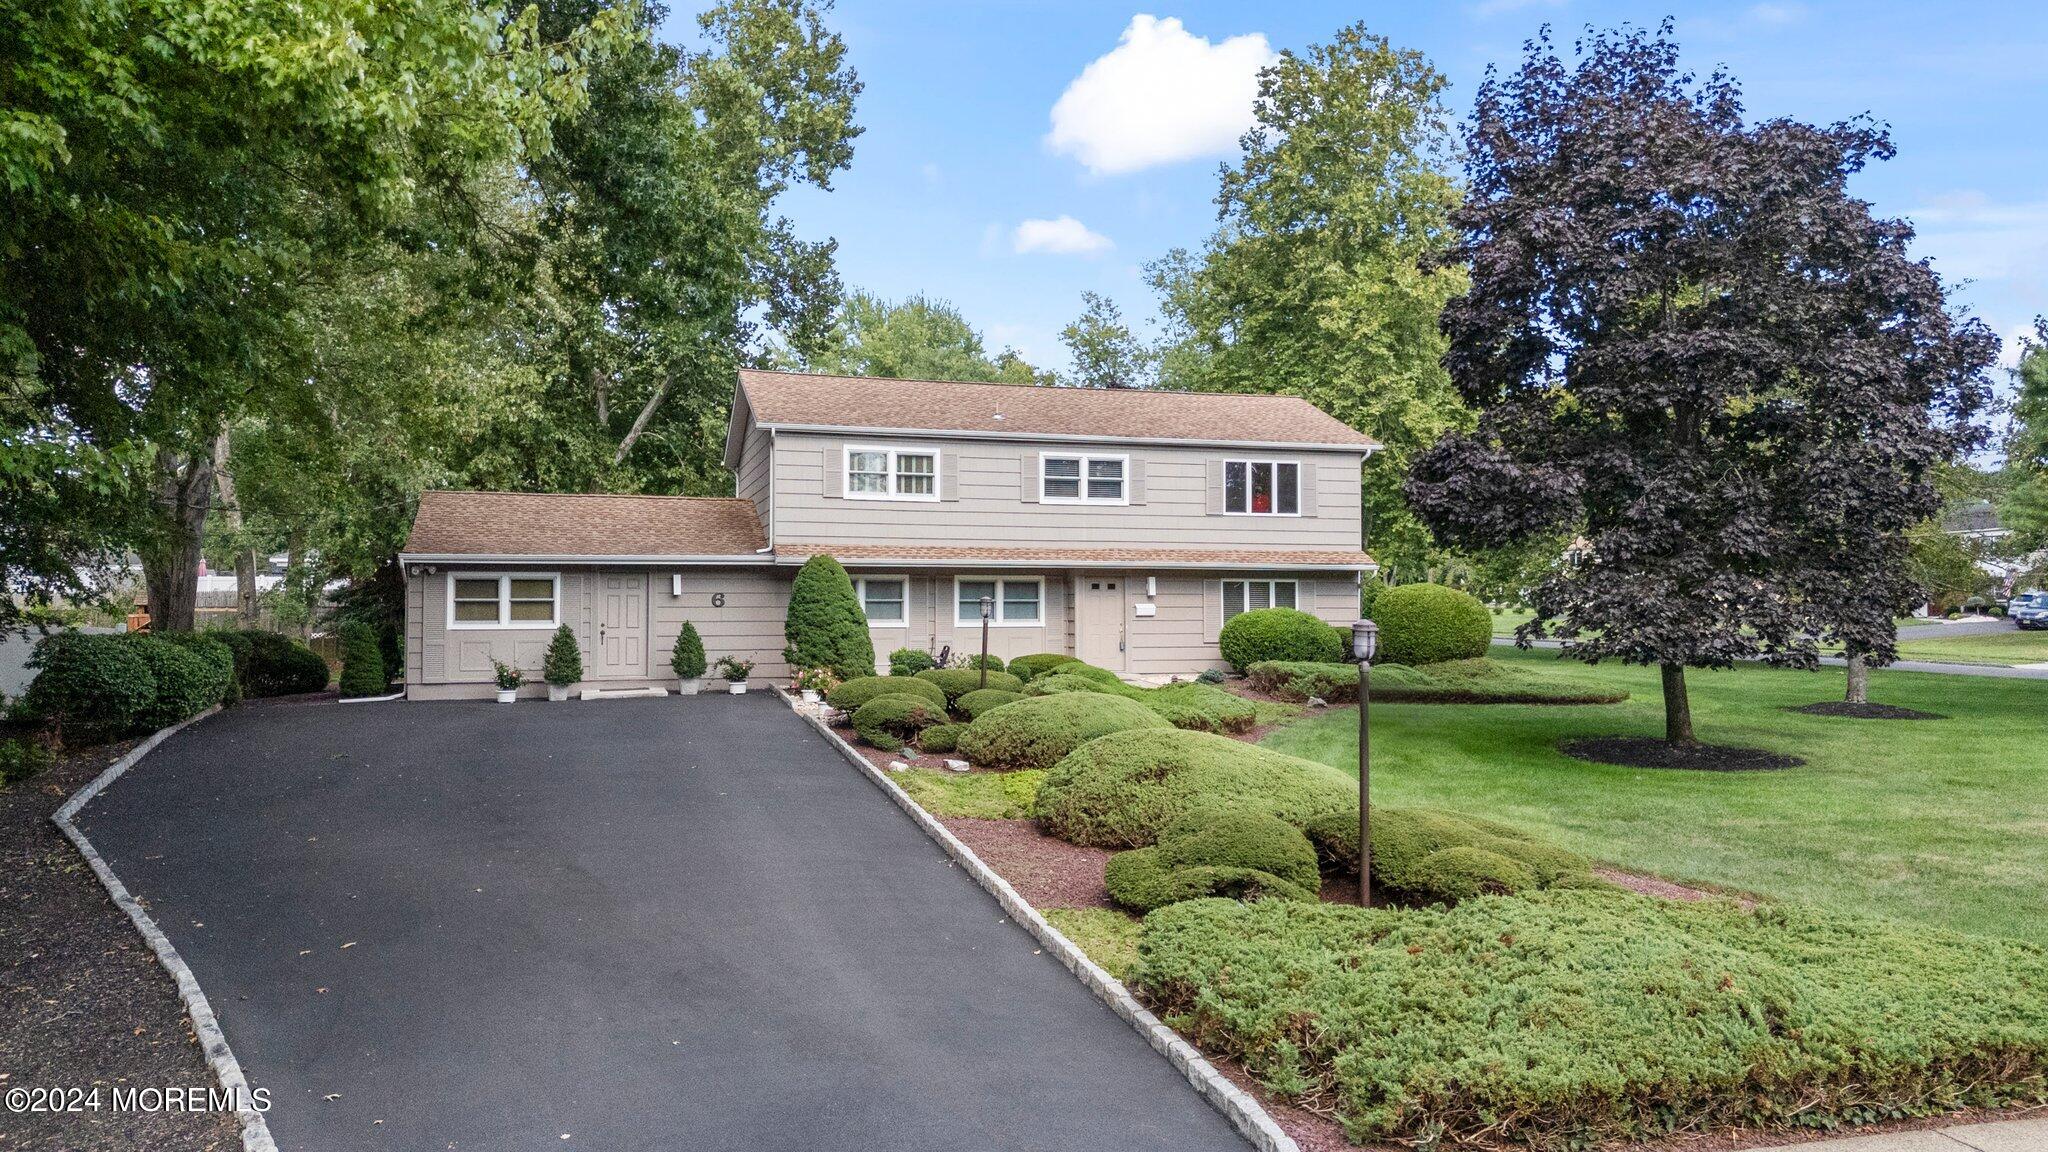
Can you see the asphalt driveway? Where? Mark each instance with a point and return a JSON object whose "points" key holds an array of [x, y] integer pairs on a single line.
{"points": [[674, 924]]}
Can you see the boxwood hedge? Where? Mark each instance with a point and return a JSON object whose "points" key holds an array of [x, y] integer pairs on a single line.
{"points": [[1429, 623], [88, 686], [1025, 667], [1406, 844], [888, 722], [188, 681], [973, 704], [958, 682], [1037, 731], [910, 661], [1278, 634], [1229, 852], [851, 694], [1571, 1018], [278, 665]]}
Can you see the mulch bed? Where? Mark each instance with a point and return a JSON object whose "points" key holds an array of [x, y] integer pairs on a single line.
{"points": [[1850, 711], [1045, 870], [86, 1003], [1650, 752]]}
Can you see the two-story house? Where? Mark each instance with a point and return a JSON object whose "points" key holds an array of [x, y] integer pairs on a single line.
{"points": [[1123, 527]]}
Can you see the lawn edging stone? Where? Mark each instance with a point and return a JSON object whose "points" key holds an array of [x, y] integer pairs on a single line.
{"points": [[1244, 1112], [205, 1026]]}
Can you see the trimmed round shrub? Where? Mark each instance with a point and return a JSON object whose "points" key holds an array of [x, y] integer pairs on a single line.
{"points": [[88, 687], [362, 660], [1278, 634], [889, 722], [973, 704], [940, 739], [1037, 731], [958, 682], [240, 646], [825, 626], [281, 666], [187, 683], [851, 694], [210, 647], [1429, 623], [1200, 708], [910, 661], [1123, 790], [1025, 667], [991, 661], [686, 659], [1087, 671], [1230, 852], [1054, 683], [1456, 874], [1404, 838]]}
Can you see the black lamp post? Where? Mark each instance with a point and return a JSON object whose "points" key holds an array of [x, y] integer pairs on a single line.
{"points": [[988, 607], [1365, 638]]}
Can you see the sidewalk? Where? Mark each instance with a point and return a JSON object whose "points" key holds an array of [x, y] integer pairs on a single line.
{"points": [[1997, 1136]]}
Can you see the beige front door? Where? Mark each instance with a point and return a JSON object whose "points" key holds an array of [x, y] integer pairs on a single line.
{"points": [[1099, 619], [622, 625]]}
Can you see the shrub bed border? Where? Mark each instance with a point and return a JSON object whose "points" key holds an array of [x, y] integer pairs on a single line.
{"points": [[1244, 1112]]}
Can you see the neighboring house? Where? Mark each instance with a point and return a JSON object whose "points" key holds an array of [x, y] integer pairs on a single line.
{"points": [[1123, 527]]}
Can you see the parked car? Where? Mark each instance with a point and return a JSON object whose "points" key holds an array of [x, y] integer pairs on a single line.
{"points": [[2029, 610]]}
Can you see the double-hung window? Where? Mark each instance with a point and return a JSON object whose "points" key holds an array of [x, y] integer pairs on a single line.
{"points": [[882, 598], [1013, 600], [1080, 479], [504, 600], [1262, 487], [1252, 595], [878, 473]]}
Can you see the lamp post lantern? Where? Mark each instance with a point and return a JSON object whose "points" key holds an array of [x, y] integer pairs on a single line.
{"points": [[1365, 638], [988, 607]]}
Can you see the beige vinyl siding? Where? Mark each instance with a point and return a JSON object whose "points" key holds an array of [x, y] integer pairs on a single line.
{"points": [[756, 468], [996, 485], [748, 624], [929, 617], [1181, 639]]}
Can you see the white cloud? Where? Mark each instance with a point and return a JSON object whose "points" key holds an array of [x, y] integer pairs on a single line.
{"points": [[1060, 236], [1162, 95]]}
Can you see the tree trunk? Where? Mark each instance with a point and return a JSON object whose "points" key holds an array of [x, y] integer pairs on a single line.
{"points": [[1859, 676], [1677, 709], [296, 579], [231, 515], [641, 421], [183, 489]]}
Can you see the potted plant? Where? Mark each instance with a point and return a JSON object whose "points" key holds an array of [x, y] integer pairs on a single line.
{"points": [[563, 666], [813, 683], [687, 661], [509, 681], [735, 671]]}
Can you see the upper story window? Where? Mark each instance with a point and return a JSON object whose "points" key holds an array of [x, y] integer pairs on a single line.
{"points": [[879, 473], [1262, 487], [1083, 479], [504, 600], [881, 598]]}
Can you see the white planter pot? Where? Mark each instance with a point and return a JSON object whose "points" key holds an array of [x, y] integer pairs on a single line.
{"points": [[736, 687], [558, 692], [810, 695], [689, 687], [507, 695]]}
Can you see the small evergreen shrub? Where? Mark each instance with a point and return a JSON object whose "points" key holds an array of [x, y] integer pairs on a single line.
{"points": [[561, 667], [1211, 676], [939, 739], [21, 759], [1087, 671], [1429, 623], [1456, 874], [281, 666], [1277, 634], [1369, 591], [1026, 667], [1200, 707], [991, 661], [1037, 731], [362, 659], [88, 687], [973, 704], [1122, 790], [851, 694], [187, 683], [686, 659], [1239, 853], [889, 722], [958, 682], [209, 646], [825, 626], [1054, 683], [910, 661], [1406, 843], [241, 647]]}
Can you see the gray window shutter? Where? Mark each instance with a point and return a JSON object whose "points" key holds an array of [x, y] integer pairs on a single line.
{"points": [[1212, 609], [949, 475], [833, 473], [1308, 473], [1027, 476], [1215, 487], [1135, 482]]}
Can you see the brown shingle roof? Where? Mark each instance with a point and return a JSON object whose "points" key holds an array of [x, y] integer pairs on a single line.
{"points": [[1055, 555], [558, 524], [790, 398]]}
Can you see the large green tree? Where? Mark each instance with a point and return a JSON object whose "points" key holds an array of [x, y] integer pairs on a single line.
{"points": [[1323, 280], [2025, 506], [1105, 352], [918, 338]]}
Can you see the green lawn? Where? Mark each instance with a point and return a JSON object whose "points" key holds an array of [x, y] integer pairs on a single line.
{"points": [[1941, 821], [1506, 620], [1992, 648]]}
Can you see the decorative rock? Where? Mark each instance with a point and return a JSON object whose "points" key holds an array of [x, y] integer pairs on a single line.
{"points": [[897, 765], [1316, 702], [957, 765]]}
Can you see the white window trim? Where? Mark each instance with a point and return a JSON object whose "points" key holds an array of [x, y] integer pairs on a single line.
{"points": [[996, 620], [1223, 601], [504, 622], [1084, 457], [1300, 478], [860, 593], [893, 450]]}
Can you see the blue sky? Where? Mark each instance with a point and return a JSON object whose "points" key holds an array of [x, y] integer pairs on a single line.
{"points": [[962, 152]]}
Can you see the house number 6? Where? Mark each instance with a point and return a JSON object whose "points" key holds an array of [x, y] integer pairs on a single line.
{"points": [[718, 599]]}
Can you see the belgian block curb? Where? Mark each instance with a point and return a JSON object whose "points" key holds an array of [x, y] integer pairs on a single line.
{"points": [[1237, 1106], [214, 1042]]}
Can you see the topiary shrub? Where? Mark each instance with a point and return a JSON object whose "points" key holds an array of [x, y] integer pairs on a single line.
{"points": [[1429, 623], [1053, 683], [1087, 671], [1037, 731], [940, 739], [686, 659], [888, 722], [850, 695], [362, 660], [825, 626], [1456, 874], [991, 661], [210, 647], [1277, 634], [1122, 790], [973, 704], [958, 682], [281, 666], [1404, 840], [1200, 708], [87, 687], [1025, 667], [186, 682], [910, 661], [1239, 853], [241, 647]]}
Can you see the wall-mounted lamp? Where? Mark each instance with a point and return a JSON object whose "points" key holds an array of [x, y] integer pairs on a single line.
{"points": [[1151, 586], [675, 584]]}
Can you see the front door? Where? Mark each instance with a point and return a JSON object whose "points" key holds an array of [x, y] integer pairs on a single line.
{"points": [[622, 625], [1099, 620]]}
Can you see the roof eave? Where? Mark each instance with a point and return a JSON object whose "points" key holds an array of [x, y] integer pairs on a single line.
{"points": [[1367, 448], [758, 559]]}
